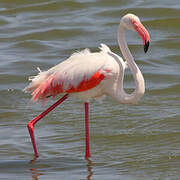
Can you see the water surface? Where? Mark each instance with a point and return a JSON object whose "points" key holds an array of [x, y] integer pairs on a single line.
{"points": [[127, 141]]}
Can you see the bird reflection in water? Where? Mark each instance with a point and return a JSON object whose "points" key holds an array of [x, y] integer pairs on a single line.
{"points": [[89, 167], [35, 172]]}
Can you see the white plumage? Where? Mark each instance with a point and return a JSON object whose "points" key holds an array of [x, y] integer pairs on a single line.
{"points": [[78, 67]]}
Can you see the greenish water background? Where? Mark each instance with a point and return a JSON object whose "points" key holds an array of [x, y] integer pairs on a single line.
{"points": [[128, 142]]}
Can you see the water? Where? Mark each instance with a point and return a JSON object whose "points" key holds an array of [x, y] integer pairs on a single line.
{"points": [[127, 141]]}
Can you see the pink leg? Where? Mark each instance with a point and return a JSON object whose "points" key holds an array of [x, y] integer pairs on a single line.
{"points": [[32, 123], [87, 155]]}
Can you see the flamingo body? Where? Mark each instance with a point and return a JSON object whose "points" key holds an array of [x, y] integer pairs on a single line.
{"points": [[84, 75]]}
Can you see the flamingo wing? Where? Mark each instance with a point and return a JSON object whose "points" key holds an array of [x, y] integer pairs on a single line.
{"points": [[82, 71]]}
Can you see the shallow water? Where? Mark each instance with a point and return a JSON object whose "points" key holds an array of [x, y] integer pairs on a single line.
{"points": [[127, 141]]}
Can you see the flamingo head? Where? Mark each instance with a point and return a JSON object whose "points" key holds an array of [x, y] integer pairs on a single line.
{"points": [[132, 22]]}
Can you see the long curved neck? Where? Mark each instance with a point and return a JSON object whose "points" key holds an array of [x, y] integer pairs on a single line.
{"points": [[137, 75]]}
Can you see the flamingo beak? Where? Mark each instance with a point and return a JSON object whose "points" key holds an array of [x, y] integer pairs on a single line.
{"points": [[146, 46], [143, 33]]}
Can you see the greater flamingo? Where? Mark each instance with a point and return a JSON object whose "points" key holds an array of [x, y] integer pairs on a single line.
{"points": [[87, 75]]}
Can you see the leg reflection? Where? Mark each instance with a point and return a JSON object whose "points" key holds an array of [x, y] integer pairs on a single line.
{"points": [[89, 167], [33, 160], [35, 173]]}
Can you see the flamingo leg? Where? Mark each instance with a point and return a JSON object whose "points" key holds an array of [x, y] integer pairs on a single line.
{"points": [[87, 154], [32, 123]]}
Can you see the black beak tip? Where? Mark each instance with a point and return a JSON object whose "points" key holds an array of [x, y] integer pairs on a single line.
{"points": [[146, 46]]}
